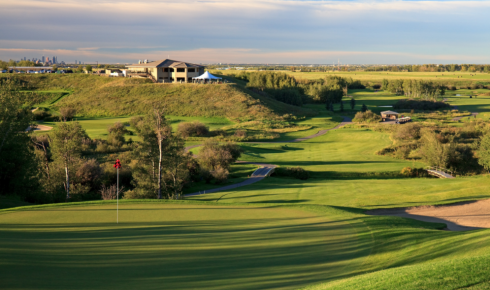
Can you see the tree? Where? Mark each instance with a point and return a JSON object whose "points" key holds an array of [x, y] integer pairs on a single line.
{"points": [[160, 171], [352, 103], [67, 113], [116, 135], [484, 152], [17, 169], [331, 107], [67, 146], [80, 69], [88, 68], [363, 108], [341, 106]]}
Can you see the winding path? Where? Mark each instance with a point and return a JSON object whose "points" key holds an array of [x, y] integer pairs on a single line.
{"points": [[265, 169], [459, 118]]}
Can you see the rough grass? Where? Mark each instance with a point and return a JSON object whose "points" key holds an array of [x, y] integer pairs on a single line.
{"points": [[95, 96]]}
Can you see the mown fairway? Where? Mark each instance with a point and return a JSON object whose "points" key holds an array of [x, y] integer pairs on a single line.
{"points": [[174, 246]]}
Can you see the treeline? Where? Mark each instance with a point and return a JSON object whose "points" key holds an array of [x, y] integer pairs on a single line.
{"points": [[287, 89], [64, 164], [416, 89], [432, 68], [463, 150]]}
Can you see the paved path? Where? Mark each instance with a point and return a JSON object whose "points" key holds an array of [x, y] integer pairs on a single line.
{"points": [[265, 169], [440, 174], [259, 174], [459, 118]]}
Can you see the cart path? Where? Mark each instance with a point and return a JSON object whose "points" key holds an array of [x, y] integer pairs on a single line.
{"points": [[265, 169], [258, 175], [459, 118]]}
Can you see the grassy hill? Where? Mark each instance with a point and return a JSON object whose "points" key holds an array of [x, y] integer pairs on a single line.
{"points": [[96, 96]]}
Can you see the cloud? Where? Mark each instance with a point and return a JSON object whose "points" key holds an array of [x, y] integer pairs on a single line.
{"points": [[390, 30]]}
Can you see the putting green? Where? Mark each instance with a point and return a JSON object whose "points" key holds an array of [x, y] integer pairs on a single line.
{"points": [[174, 246]]}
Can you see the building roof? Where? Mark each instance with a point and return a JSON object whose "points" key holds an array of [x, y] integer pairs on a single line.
{"points": [[166, 63], [389, 113]]}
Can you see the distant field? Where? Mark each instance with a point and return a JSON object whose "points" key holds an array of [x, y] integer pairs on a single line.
{"points": [[379, 76]]}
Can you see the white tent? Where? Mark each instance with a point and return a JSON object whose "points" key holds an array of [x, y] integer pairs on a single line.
{"points": [[206, 76]]}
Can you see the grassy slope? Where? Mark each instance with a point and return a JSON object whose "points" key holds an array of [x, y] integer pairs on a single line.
{"points": [[97, 127], [95, 96], [178, 245]]}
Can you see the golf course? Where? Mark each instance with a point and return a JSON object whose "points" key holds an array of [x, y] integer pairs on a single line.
{"points": [[335, 210]]}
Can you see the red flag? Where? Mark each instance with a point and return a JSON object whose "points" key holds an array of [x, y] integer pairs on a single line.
{"points": [[117, 164]]}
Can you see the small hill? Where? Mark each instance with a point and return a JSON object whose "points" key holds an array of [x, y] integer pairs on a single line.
{"points": [[96, 96]]}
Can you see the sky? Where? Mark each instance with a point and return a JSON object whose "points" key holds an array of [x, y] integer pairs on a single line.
{"points": [[247, 31]]}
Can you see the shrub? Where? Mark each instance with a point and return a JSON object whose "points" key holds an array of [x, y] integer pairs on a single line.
{"points": [[294, 172], [402, 152], [220, 174], [410, 131], [366, 117], [41, 114], [414, 172], [109, 192], [192, 129], [241, 133], [67, 113]]}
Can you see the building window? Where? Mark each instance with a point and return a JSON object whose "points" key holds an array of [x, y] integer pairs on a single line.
{"points": [[191, 70], [161, 78], [165, 69], [181, 70]]}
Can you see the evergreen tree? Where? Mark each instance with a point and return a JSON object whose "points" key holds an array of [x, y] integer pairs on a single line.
{"points": [[352, 103], [363, 108]]}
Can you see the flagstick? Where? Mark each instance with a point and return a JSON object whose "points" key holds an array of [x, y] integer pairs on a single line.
{"points": [[117, 197]]}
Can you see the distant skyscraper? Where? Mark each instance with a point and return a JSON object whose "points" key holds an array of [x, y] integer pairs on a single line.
{"points": [[54, 59], [43, 59]]}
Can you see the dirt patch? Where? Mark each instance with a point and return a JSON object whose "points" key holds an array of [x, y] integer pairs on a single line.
{"points": [[463, 216]]}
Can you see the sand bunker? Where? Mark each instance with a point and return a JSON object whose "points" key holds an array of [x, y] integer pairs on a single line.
{"points": [[40, 128], [463, 216]]}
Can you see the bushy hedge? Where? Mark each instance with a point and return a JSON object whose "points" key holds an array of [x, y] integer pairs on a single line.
{"points": [[192, 129], [294, 172], [366, 117]]}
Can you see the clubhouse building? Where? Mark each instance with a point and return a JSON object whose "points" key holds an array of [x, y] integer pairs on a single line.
{"points": [[166, 71]]}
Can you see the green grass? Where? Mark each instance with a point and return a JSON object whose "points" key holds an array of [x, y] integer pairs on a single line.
{"points": [[175, 245], [346, 172], [97, 128], [95, 96]]}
